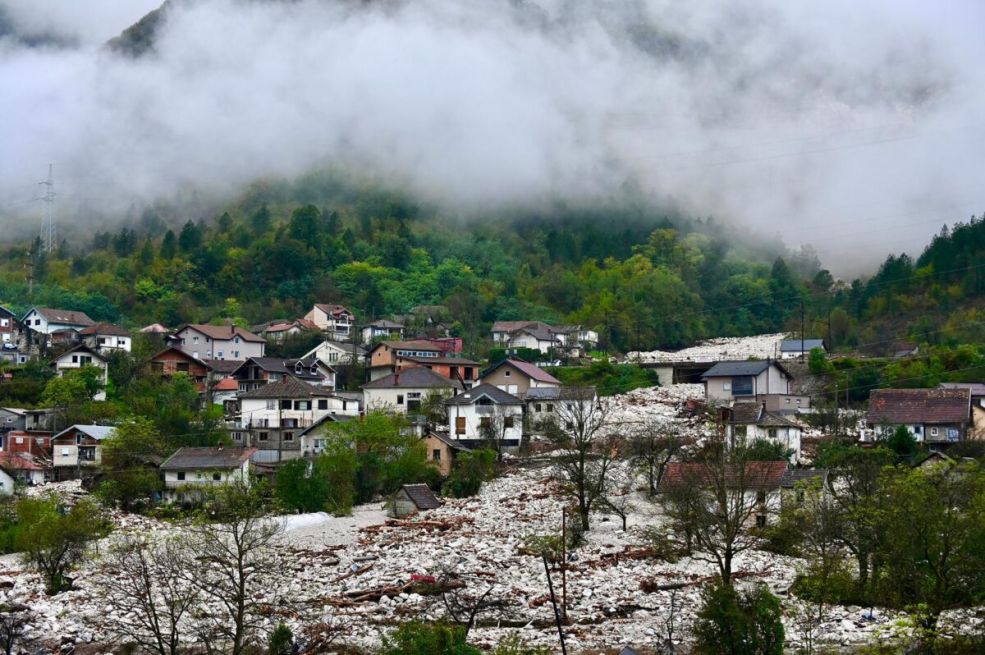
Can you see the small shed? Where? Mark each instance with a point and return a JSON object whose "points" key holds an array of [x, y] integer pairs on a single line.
{"points": [[412, 498]]}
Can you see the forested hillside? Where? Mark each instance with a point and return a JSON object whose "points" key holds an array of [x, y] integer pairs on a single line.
{"points": [[643, 279]]}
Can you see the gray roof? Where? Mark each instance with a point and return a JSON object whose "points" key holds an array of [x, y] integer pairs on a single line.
{"points": [[207, 458], [560, 393], [328, 418], [793, 476], [383, 323], [97, 432], [421, 495], [732, 369], [494, 394], [287, 387], [794, 345], [976, 388], [755, 414], [64, 316], [448, 441], [414, 378]]}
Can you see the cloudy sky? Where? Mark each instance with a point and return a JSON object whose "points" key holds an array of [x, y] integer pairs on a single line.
{"points": [[852, 126]]}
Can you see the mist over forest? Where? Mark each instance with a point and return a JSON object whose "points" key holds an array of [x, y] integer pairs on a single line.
{"points": [[852, 128]]}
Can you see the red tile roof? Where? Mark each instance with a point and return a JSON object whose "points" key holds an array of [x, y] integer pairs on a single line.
{"points": [[105, 328], [758, 475], [19, 461], [226, 384], [913, 406]]}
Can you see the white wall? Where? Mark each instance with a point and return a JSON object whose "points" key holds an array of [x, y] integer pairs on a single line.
{"points": [[473, 420]]}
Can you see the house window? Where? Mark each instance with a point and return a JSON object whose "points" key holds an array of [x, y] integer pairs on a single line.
{"points": [[484, 422], [740, 430], [302, 405], [771, 432], [182, 367], [537, 407], [548, 408], [285, 404], [760, 496], [436, 455], [760, 520], [75, 359], [194, 339], [181, 475], [400, 399], [288, 436], [262, 436], [219, 354], [933, 432], [506, 374], [217, 477], [237, 436], [236, 341], [508, 422], [271, 404], [37, 321], [323, 403], [459, 425], [742, 386], [236, 354]]}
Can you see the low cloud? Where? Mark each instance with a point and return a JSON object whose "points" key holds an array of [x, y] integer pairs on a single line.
{"points": [[851, 127]]}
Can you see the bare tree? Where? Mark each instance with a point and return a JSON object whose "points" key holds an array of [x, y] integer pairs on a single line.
{"points": [[587, 453], [152, 599], [13, 620], [234, 561], [651, 448], [619, 497], [466, 596], [714, 499]]}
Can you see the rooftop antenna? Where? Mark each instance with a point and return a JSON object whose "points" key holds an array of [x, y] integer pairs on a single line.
{"points": [[48, 222]]}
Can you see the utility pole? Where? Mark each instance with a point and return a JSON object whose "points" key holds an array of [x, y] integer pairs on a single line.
{"points": [[48, 222], [801, 330]]}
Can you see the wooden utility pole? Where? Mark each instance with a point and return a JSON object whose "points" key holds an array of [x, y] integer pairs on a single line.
{"points": [[564, 564], [557, 614]]}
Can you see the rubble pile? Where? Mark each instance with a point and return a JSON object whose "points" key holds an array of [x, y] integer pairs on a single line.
{"points": [[761, 346], [352, 577], [650, 406]]}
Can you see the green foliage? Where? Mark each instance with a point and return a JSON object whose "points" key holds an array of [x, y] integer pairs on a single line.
{"points": [[326, 483], [130, 456], [419, 638], [902, 443], [764, 450], [661, 542], [471, 469], [730, 623], [53, 540], [72, 394], [608, 379], [281, 641], [817, 362]]}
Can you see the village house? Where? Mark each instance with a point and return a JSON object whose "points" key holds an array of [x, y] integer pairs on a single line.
{"points": [[749, 422], [314, 437], [258, 371], [77, 450], [226, 342], [517, 377], [442, 451], [335, 320], [105, 338], [20, 469], [727, 381], [404, 392], [570, 340], [976, 430], [337, 353], [39, 420], [795, 482], [37, 444], [272, 416], [933, 416], [47, 320], [388, 357], [78, 357], [172, 361], [10, 330], [485, 413], [382, 329], [542, 404], [11, 418], [459, 369], [758, 482], [280, 329], [224, 393], [190, 470], [784, 404], [800, 348]]}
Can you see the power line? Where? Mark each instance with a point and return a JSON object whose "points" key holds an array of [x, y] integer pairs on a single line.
{"points": [[48, 222]]}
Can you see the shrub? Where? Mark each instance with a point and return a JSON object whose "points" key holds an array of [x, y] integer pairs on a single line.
{"points": [[470, 471], [420, 638], [730, 623], [663, 544], [513, 645], [281, 641]]}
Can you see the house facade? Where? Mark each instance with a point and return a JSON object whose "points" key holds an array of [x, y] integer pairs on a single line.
{"points": [[47, 320], [281, 329], [190, 469], [387, 357], [226, 342], [754, 488], [382, 329], [10, 327], [78, 357], [932, 416], [172, 361], [442, 451], [273, 416], [335, 320], [403, 392], [516, 377], [258, 371], [542, 404], [749, 422], [20, 469], [77, 451], [106, 338], [727, 381], [569, 340], [336, 352], [800, 348], [485, 412], [976, 430]]}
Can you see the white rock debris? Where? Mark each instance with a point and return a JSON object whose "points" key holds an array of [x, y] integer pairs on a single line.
{"points": [[328, 562], [716, 350]]}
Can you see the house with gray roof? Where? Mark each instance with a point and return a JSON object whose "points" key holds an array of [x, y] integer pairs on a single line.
{"points": [[484, 413], [749, 422], [726, 381], [189, 470], [542, 403], [404, 391], [47, 320], [78, 449], [795, 348]]}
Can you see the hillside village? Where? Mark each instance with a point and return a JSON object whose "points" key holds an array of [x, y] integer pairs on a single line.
{"points": [[389, 558]]}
